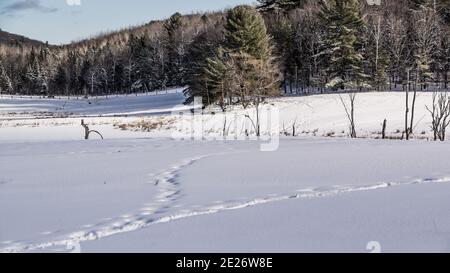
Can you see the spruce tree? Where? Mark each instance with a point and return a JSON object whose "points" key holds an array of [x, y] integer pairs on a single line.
{"points": [[147, 64], [174, 46], [245, 31], [242, 67], [219, 76], [246, 53], [60, 80], [84, 77], [36, 80], [131, 72], [202, 49], [5, 81], [245, 68], [72, 71], [343, 22]]}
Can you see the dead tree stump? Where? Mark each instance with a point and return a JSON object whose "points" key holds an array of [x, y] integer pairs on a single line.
{"points": [[383, 131], [87, 132]]}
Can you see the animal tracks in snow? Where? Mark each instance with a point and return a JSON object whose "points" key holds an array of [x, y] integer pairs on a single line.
{"points": [[169, 192]]}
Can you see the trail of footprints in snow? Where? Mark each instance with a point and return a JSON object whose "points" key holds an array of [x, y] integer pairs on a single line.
{"points": [[169, 192]]}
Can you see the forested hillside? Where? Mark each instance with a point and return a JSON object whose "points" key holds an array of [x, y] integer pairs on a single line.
{"points": [[15, 40], [314, 45]]}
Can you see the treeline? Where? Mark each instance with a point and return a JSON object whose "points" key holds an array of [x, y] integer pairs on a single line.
{"points": [[311, 46], [142, 59], [316, 41]]}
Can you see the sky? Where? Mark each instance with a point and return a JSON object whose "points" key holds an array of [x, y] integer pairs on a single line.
{"points": [[63, 21]]}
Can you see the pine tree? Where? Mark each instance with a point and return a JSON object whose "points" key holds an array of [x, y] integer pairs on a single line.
{"points": [[47, 69], [5, 81], [228, 71], [84, 77], [200, 60], [245, 31], [35, 76], [131, 68], [174, 45], [342, 20], [147, 68], [72, 71], [60, 80], [245, 68], [219, 78], [284, 37]]}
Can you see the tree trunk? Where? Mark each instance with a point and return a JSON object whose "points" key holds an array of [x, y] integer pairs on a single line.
{"points": [[383, 131], [407, 109], [411, 128]]}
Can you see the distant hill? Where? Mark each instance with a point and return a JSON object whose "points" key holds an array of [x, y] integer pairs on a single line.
{"points": [[151, 28], [7, 38]]}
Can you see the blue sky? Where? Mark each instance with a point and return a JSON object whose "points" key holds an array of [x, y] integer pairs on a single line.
{"points": [[58, 22]]}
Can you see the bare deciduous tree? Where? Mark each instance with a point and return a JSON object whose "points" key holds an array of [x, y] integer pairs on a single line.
{"points": [[350, 112], [440, 114], [253, 81]]}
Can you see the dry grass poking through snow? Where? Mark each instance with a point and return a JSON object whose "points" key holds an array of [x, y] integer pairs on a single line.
{"points": [[147, 124]]}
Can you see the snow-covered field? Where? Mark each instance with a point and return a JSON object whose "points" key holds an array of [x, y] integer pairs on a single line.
{"points": [[139, 191], [319, 115]]}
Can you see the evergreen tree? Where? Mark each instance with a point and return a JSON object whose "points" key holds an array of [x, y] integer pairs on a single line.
{"points": [[35, 78], [287, 45], [47, 69], [343, 22], [245, 68], [133, 70], [245, 31], [164, 55], [147, 65], [60, 80], [200, 55], [119, 79], [174, 44], [218, 79], [5, 81], [72, 71], [84, 78]]}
